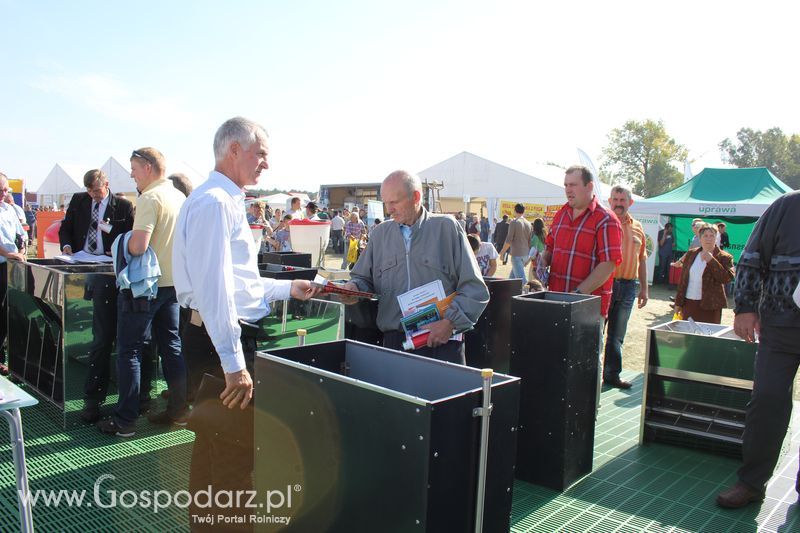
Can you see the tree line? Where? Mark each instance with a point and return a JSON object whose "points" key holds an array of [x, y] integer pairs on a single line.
{"points": [[644, 155]]}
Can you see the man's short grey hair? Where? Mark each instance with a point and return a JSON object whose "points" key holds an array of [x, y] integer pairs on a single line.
{"points": [[237, 129], [622, 189], [410, 181]]}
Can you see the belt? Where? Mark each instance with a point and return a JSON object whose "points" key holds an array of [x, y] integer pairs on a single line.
{"points": [[621, 280]]}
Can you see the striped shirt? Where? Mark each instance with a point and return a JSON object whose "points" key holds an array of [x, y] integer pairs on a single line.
{"points": [[578, 246], [634, 248]]}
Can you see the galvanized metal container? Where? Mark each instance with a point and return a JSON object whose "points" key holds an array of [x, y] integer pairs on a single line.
{"points": [[698, 380]]}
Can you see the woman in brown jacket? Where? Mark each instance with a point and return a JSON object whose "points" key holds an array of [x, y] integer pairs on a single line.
{"points": [[706, 270]]}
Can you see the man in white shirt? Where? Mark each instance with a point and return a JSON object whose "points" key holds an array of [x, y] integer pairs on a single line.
{"points": [[294, 208], [337, 233], [216, 276]]}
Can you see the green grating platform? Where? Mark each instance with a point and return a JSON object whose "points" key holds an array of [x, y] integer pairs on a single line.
{"points": [[654, 487], [632, 488]]}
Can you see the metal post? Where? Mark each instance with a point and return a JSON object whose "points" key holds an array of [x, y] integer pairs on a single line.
{"points": [[301, 337], [484, 412], [18, 453], [283, 315]]}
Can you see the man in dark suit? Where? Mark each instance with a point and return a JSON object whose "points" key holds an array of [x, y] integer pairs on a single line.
{"points": [[500, 234], [93, 220]]}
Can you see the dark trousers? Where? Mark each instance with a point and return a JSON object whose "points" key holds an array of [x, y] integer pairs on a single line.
{"points": [[337, 239], [663, 267], [770, 406], [452, 351], [3, 308], [622, 297], [102, 290], [161, 316], [222, 463]]}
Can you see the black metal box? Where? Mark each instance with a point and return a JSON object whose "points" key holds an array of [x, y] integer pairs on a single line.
{"points": [[370, 439], [286, 258], [269, 270], [488, 345], [555, 346]]}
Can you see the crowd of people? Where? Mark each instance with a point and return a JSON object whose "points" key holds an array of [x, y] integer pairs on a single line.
{"points": [[187, 283]]}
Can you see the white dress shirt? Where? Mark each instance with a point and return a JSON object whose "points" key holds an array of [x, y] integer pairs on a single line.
{"points": [[694, 289], [100, 212], [337, 223], [215, 267]]}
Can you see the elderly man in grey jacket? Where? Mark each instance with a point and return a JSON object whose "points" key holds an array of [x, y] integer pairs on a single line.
{"points": [[414, 248]]}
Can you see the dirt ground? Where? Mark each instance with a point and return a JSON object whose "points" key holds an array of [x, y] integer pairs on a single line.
{"points": [[657, 311]]}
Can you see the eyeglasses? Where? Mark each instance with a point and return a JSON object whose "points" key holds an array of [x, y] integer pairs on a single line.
{"points": [[142, 156]]}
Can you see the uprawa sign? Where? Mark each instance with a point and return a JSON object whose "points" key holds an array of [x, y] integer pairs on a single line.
{"points": [[710, 209]]}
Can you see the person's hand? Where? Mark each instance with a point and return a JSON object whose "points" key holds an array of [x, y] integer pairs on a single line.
{"points": [[302, 289], [16, 256], [238, 389], [440, 332], [747, 326], [706, 256], [349, 300], [67, 250], [643, 296], [679, 310]]}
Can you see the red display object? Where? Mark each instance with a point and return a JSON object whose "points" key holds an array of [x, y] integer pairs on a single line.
{"points": [[675, 275]]}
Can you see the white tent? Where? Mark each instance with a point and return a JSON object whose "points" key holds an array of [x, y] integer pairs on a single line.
{"points": [[119, 177], [466, 174], [182, 167], [276, 201], [58, 187]]}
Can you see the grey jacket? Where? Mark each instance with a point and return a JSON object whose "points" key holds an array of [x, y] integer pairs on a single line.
{"points": [[439, 250]]}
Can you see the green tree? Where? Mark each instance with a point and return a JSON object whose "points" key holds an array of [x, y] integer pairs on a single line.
{"points": [[643, 155], [773, 149]]}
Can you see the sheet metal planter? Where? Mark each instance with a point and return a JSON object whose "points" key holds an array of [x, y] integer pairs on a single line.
{"points": [[555, 345], [488, 344], [50, 331], [369, 439], [698, 380]]}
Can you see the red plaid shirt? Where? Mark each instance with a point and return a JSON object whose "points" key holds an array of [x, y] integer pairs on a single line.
{"points": [[578, 246]]}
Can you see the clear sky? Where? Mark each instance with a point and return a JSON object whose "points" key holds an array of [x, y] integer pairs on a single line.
{"points": [[351, 90]]}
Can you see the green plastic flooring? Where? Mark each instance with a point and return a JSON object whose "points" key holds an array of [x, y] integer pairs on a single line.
{"points": [[655, 487], [632, 488]]}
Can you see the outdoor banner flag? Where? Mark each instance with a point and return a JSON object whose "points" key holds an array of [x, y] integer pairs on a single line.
{"points": [[687, 171], [587, 162], [651, 225]]}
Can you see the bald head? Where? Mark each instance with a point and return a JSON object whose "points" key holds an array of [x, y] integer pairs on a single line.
{"points": [[401, 192], [409, 182]]}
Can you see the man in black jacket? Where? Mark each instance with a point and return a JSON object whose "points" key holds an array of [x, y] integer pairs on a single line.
{"points": [[93, 220], [500, 234], [766, 278]]}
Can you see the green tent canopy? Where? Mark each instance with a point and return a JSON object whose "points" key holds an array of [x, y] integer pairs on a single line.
{"points": [[718, 192], [736, 196]]}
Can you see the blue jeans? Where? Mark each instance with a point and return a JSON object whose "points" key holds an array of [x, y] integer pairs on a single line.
{"points": [[161, 315], [518, 268], [622, 298]]}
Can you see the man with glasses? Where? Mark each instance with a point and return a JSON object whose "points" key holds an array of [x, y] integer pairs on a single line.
{"points": [[94, 219], [10, 236], [153, 228]]}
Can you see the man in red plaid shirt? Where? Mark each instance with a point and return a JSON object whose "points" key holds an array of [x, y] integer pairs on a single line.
{"points": [[584, 244]]}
